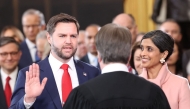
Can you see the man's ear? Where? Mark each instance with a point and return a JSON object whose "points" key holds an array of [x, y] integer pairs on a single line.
{"points": [[49, 38], [99, 57]]}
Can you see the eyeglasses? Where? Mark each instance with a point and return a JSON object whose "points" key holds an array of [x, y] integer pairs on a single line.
{"points": [[5, 54], [31, 26]]}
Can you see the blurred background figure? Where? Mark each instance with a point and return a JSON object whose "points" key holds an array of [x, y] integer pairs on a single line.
{"points": [[175, 60], [172, 28], [139, 36], [42, 44], [46, 51], [128, 21], [91, 56], [33, 22], [81, 48], [9, 57], [177, 10], [12, 31], [135, 60]]}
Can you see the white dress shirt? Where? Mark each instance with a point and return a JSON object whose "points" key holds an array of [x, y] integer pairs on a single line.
{"points": [[32, 49], [12, 75], [57, 73], [112, 67], [93, 59]]}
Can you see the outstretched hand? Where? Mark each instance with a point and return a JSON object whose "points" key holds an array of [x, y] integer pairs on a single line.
{"points": [[33, 88]]}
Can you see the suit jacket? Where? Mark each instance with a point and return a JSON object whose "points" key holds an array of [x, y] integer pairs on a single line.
{"points": [[117, 90], [3, 104], [86, 60], [26, 58], [185, 61], [49, 99], [175, 87], [176, 9]]}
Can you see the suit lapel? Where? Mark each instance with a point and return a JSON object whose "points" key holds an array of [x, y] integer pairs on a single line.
{"points": [[2, 96], [27, 52], [51, 87], [82, 77]]}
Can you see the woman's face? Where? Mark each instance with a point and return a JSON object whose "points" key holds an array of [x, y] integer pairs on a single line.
{"points": [[10, 33], [150, 54], [174, 56], [137, 61]]}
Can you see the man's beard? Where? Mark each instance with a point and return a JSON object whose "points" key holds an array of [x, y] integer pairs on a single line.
{"points": [[60, 54]]}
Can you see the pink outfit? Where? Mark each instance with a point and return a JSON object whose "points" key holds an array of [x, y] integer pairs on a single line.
{"points": [[176, 88]]}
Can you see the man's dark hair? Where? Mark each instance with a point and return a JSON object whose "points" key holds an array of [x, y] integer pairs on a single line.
{"points": [[6, 40], [113, 42], [62, 17]]}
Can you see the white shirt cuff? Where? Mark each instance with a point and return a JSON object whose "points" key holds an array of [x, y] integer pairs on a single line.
{"points": [[28, 105]]}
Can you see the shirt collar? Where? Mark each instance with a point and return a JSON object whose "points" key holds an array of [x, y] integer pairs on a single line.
{"points": [[30, 44], [162, 76], [12, 75], [91, 57], [56, 64], [114, 67]]}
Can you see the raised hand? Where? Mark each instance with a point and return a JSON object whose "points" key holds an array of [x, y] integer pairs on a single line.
{"points": [[33, 87]]}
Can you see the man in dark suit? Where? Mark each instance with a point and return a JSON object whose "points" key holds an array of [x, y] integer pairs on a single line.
{"points": [[62, 34], [32, 22], [185, 64], [91, 56], [9, 57], [177, 10], [116, 88]]}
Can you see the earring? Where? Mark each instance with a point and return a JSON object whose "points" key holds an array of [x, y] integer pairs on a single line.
{"points": [[162, 60]]}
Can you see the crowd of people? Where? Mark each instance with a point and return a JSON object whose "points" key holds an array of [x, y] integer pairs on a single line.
{"points": [[56, 65]]}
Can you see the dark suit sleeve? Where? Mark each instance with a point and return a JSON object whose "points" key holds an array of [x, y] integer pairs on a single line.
{"points": [[17, 101], [156, 10], [185, 60], [77, 100]]}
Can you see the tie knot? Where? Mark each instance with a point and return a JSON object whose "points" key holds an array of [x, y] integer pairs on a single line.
{"points": [[8, 78], [65, 66]]}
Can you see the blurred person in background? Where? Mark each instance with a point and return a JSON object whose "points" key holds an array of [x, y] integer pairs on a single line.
{"points": [[12, 31], [81, 48], [9, 57], [157, 47], [135, 60], [91, 56], [139, 36], [41, 43], [177, 10], [175, 60], [172, 28], [127, 21], [46, 52], [32, 23]]}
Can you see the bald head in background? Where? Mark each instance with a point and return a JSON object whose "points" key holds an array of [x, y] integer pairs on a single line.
{"points": [[128, 21], [91, 31], [172, 28], [81, 48]]}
